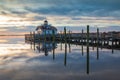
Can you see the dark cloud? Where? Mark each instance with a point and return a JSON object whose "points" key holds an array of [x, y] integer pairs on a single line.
{"points": [[79, 8], [67, 7], [51, 10], [39, 18], [18, 12], [3, 13], [5, 10]]}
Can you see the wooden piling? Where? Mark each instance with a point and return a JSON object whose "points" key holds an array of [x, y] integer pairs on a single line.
{"points": [[61, 40], [39, 43], [65, 57], [65, 37], [107, 42], [104, 39], [69, 41], [82, 41], [34, 39], [53, 35], [101, 41], [87, 49], [112, 44], [31, 39], [97, 43], [53, 43], [92, 44], [53, 50], [69, 36], [119, 43]]}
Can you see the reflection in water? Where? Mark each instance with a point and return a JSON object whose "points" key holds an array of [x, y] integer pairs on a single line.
{"points": [[19, 62], [3, 41], [112, 46], [69, 48], [65, 57], [87, 61], [46, 47], [87, 50], [39, 47], [98, 43], [61, 46], [53, 50], [82, 49], [92, 47], [82, 42], [97, 52]]}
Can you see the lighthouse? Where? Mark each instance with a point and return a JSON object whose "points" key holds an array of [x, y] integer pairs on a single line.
{"points": [[45, 28]]}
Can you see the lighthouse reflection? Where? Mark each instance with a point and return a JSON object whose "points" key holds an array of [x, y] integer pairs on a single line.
{"points": [[46, 47]]}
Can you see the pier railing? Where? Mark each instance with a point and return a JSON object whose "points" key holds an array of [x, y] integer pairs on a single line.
{"points": [[94, 39]]}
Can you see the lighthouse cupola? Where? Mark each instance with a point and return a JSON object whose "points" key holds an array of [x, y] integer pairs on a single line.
{"points": [[45, 22]]}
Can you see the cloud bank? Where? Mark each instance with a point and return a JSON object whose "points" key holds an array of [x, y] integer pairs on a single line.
{"points": [[60, 12]]}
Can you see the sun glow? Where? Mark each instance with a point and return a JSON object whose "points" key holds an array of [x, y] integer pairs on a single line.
{"points": [[12, 48], [7, 18]]}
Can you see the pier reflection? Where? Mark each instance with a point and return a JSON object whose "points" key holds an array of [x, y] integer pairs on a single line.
{"points": [[50, 47], [18, 59], [65, 56]]}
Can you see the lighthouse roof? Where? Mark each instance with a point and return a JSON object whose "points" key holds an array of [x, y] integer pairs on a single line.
{"points": [[45, 21], [47, 28]]}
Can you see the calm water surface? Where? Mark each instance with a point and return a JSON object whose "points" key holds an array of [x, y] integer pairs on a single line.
{"points": [[51, 61]]}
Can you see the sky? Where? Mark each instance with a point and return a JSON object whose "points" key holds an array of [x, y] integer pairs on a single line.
{"points": [[22, 16]]}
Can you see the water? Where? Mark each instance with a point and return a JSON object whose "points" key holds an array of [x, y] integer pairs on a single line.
{"points": [[19, 61]]}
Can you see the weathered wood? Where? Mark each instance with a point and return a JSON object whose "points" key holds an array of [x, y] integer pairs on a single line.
{"points": [[65, 37], [53, 43], [65, 57], [112, 44], [75, 38], [69, 41], [31, 39], [61, 39], [34, 39], [53, 51], [87, 49], [82, 41], [97, 43]]}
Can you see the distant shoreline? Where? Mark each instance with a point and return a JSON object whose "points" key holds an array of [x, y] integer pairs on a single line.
{"points": [[12, 35]]}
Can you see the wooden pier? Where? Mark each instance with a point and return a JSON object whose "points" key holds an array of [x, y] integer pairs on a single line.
{"points": [[90, 39]]}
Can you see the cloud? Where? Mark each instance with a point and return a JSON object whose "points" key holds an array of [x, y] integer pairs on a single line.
{"points": [[39, 18], [60, 12], [16, 30], [3, 13], [64, 7], [78, 8]]}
